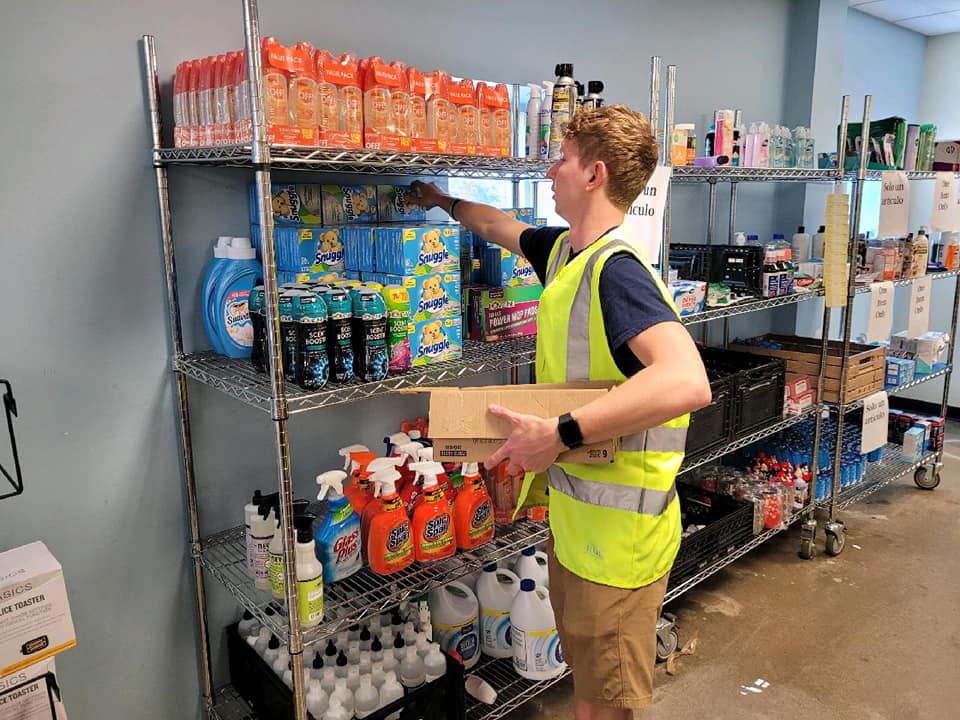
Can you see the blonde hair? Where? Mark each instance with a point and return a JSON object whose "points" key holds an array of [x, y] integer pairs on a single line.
{"points": [[621, 138]]}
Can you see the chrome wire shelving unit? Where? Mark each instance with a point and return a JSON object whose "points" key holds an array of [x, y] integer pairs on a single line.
{"points": [[890, 467], [512, 690], [228, 705], [689, 173], [897, 390]]}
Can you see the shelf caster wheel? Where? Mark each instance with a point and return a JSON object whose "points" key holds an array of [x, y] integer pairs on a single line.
{"points": [[926, 480], [807, 549], [668, 640], [808, 539], [836, 542]]}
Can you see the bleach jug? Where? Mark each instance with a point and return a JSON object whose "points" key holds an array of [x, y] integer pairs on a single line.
{"points": [[496, 590], [536, 644], [210, 286], [532, 563], [455, 615]]}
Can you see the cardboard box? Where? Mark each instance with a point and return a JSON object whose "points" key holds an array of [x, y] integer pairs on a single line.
{"points": [[26, 693], [799, 385], [463, 430], [796, 404], [35, 620], [688, 296], [913, 443], [504, 312]]}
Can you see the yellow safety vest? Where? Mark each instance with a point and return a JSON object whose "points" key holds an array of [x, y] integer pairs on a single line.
{"points": [[615, 524]]}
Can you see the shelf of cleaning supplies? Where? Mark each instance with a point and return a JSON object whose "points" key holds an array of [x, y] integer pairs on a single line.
{"points": [[228, 705], [238, 379], [891, 466], [361, 161], [901, 388], [748, 306], [694, 174], [946, 274], [365, 593], [512, 690], [776, 427], [674, 592]]}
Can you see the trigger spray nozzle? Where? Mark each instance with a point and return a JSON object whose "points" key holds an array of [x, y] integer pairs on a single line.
{"points": [[430, 471], [347, 452], [332, 481]]}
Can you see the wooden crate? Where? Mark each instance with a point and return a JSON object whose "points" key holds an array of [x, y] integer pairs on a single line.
{"points": [[867, 364]]}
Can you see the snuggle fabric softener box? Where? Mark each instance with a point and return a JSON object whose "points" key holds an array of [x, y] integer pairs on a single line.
{"points": [[433, 341], [395, 203], [344, 204], [313, 250], [358, 247], [293, 204], [417, 250], [431, 296], [516, 270]]}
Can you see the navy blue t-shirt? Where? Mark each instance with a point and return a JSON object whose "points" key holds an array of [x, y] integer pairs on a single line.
{"points": [[630, 299]]}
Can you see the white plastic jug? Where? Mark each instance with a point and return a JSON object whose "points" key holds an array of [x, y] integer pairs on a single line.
{"points": [[532, 563], [495, 592], [455, 614], [536, 644]]}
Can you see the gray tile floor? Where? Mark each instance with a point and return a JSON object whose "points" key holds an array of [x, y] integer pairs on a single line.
{"points": [[873, 634]]}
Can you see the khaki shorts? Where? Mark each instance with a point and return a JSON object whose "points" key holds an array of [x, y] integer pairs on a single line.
{"points": [[608, 636]]}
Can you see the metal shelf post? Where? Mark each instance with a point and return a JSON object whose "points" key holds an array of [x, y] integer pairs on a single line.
{"points": [[152, 85]]}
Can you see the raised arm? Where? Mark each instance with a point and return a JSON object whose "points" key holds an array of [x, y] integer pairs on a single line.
{"points": [[488, 222]]}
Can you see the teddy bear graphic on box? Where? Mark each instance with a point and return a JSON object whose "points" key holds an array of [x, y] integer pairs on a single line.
{"points": [[432, 250], [436, 340], [329, 249]]}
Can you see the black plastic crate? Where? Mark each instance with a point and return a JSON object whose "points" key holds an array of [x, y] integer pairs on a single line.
{"points": [[691, 261], [729, 524], [740, 267], [712, 426], [442, 699], [758, 386]]}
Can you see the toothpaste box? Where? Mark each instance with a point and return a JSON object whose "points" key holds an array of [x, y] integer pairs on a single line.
{"points": [[358, 251], [345, 204], [395, 204], [417, 249], [436, 340], [516, 270], [35, 620], [437, 295], [900, 371], [503, 312], [294, 204], [688, 296], [305, 249]]}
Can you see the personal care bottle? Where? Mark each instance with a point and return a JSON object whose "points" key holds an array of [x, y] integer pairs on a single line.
{"points": [[800, 246], [338, 537], [366, 697], [594, 98], [532, 149], [546, 110], [563, 106], [248, 626], [433, 529], [411, 670], [434, 664], [819, 242], [921, 254], [343, 695], [250, 512], [317, 700], [391, 689], [336, 710], [272, 651], [309, 574]]}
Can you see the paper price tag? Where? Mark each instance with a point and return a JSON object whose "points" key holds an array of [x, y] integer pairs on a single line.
{"points": [[894, 204], [944, 215], [644, 218], [873, 433], [919, 321], [881, 311]]}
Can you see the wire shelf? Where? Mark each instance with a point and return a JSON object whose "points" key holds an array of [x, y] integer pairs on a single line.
{"points": [[891, 466], [901, 388], [238, 379], [694, 174], [911, 174], [361, 161], [909, 281], [749, 306], [363, 594], [228, 705], [512, 690], [710, 457]]}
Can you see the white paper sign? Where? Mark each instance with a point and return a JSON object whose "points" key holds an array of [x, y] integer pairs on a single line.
{"points": [[644, 219], [943, 216], [873, 434], [894, 204], [881, 311], [919, 321]]}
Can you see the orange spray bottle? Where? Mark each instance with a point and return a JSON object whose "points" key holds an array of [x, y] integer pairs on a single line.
{"points": [[433, 533], [360, 490], [375, 506], [390, 545], [473, 510]]}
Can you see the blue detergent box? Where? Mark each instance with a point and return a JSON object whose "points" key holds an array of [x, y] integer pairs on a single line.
{"points": [[395, 203], [900, 371], [516, 270], [304, 249], [433, 341], [349, 204], [417, 249], [358, 247], [294, 204], [438, 295]]}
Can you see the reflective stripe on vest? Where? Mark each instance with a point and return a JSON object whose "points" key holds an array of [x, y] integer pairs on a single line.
{"points": [[657, 439], [618, 497]]}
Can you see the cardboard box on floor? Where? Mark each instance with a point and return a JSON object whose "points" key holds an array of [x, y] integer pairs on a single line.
{"points": [[462, 430]]}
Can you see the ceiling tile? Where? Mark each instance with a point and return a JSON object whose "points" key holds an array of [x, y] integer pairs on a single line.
{"points": [[934, 24], [893, 10], [943, 5]]}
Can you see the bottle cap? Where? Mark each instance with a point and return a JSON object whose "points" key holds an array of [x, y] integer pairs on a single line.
{"points": [[247, 615], [317, 661], [527, 585], [364, 633], [470, 468], [595, 87], [241, 249], [565, 70], [341, 659], [274, 642], [490, 567], [222, 246], [376, 645], [529, 551], [331, 649], [398, 641]]}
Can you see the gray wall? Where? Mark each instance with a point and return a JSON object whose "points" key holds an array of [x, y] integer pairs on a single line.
{"points": [[87, 347]]}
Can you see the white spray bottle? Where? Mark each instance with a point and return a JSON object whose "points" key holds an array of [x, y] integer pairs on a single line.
{"points": [[545, 115], [533, 122]]}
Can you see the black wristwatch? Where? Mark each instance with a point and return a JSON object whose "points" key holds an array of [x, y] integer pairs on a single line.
{"points": [[569, 431]]}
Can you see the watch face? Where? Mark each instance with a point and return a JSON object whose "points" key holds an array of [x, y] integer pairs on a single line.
{"points": [[569, 432]]}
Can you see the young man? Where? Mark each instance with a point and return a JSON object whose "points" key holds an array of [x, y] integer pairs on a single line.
{"points": [[604, 315]]}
